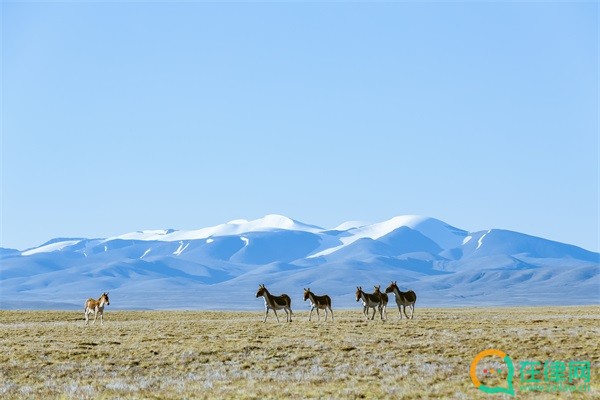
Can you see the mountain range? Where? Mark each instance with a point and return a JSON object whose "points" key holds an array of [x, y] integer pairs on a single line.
{"points": [[220, 267]]}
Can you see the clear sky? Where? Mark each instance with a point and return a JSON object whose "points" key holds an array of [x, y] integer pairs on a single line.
{"points": [[123, 117]]}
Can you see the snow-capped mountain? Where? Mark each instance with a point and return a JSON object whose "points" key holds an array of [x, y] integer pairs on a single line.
{"points": [[222, 266]]}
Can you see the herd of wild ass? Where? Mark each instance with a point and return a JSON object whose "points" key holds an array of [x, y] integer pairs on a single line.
{"points": [[377, 300]]}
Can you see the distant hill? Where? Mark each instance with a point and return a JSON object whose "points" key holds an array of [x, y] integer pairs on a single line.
{"points": [[221, 267]]}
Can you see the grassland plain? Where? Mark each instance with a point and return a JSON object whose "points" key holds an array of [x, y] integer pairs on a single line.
{"points": [[210, 354]]}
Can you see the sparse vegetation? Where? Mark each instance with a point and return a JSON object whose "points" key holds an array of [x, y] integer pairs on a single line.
{"points": [[198, 354]]}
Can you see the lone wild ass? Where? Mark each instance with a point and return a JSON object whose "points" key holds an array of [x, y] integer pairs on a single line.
{"points": [[318, 302], [96, 307], [371, 300], [403, 299], [275, 303]]}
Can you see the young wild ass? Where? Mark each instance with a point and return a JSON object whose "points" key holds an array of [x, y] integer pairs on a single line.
{"points": [[275, 303], [96, 307], [318, 302], [403, 299], [371, 300]]}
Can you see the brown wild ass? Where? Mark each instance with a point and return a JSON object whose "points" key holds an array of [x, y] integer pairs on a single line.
{"points": [[384, 300], [275, 303], [371, 300], [318, 302], [96, 307], [403, 299]]}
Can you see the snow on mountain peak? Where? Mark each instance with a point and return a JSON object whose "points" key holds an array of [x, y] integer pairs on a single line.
{"points": [[277, 222], [273, 221], [56, 246], [444, 235], [236, 227], [157, 231], [238, 222], [377, 230]]}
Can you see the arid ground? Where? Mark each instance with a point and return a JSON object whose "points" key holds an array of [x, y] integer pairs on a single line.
{"points": [[199, 354]]}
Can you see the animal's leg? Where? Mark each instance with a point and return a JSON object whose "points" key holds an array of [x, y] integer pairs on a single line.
{"points": [[400, 309], [87, 317], [374, 311], [95, 316], [275, 311], [266, 313], [405, 312], [331, 311], [311, 310], [318, 315], [412, 310], [101, 318]]}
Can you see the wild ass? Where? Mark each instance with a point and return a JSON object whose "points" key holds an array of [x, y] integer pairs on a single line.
{"points": [[318, 302], [275, 303], [96, 307], [403, 299], [371, 300], [384, 300]]}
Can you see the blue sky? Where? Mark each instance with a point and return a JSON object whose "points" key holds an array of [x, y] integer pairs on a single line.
{"points": [[122, 117]]}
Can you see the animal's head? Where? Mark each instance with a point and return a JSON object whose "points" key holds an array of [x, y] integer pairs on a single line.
{"points": [[359, 292], [306, 293], [391, 288], [377, 289], [261, 290], [105, 298]]}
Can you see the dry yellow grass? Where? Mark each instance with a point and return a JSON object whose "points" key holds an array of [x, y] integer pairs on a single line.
{"points": [[196, 354]]}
